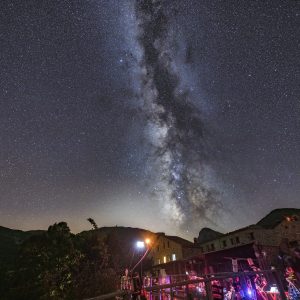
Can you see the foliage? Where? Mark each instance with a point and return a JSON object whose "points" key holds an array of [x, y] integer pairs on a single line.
{"points": [[56, 264], [59, 265], [93, 223], [45, 265], [94, 275]]}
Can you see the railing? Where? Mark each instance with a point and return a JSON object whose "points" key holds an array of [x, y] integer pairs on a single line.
{"points": [[182, 289], [113, 295]]}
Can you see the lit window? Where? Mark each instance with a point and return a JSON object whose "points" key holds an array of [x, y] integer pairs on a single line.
{"points": [[165, 259], [173, 256], [158, 261]]}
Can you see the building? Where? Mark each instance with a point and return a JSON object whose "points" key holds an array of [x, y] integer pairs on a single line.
{"points": [[213, 252], [174, 255], [168, 248], [280, 224], [262, 241]]}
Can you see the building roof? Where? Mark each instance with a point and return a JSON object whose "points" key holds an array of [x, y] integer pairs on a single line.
{"points": [[250, 227], [207, 234], [180, 241], [271, 220], [276, 216]]}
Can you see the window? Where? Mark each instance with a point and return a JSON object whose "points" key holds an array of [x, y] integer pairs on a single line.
{"points": [[173, 256], [201, 249], [165, 259], [158, 261], [157, 248], [251, 236], [168, 244], [237, 239], [212, 247], [232, 241], [164, 245], [207, 248], [224, 244]]}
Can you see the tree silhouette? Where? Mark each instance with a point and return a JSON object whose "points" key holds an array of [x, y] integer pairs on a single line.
{"points": [[93, 223], [46, 266]]}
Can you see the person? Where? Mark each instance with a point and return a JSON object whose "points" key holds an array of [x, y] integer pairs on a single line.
{"points": [[147, 280], [260, 283], [217, 290], [293, 291], [126, 285], [136, 286], [296, 265], [237, 285], [229, 291], [125, 281]]}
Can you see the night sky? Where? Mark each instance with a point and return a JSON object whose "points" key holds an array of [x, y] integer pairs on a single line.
{"points": [[164, 115]]}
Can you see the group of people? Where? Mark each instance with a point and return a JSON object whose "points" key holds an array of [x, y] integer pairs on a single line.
{"points": [[233, 289], [248, 288], [132, 284]]}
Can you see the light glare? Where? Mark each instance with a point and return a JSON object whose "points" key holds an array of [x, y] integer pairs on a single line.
{"points": [[140, 244]]}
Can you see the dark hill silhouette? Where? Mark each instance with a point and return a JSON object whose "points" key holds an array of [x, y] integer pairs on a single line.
{"points": [[119, 237], [125, 235], [207, 234], [276, 216], [123, 239], [10, 240]]}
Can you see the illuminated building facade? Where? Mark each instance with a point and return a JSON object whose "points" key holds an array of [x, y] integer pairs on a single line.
{"points": [[171, 248]]}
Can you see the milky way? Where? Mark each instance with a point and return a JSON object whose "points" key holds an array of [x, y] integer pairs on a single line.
{"points": [[175, 128]]}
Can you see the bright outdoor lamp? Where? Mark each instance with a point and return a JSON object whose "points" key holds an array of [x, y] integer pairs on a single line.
{"points": [[140, 244]]}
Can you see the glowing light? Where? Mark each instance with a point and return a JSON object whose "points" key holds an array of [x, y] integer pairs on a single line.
{"points": [[273, 289], [140, 244], [249, 292], [147, 241]]}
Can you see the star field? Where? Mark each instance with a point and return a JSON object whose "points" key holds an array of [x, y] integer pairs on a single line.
{"points": [[166, 115]]}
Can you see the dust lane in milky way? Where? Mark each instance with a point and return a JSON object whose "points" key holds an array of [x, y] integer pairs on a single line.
{"points": [[175, 127]]}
